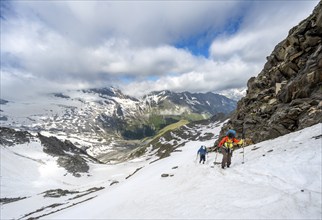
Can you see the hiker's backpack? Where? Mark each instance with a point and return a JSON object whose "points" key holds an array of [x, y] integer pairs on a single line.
{"points": [[231, 132], [229, 144]]}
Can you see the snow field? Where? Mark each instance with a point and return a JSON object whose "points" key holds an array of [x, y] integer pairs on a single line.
{"points": [[283, 184], [280, 179]]}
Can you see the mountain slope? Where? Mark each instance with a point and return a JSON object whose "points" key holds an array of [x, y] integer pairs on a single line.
{"points": [[105, 122], [280, 179], [206, 104], [287, 94]]}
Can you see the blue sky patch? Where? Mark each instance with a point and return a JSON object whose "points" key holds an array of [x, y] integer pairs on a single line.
{"points": [[199, 44]]}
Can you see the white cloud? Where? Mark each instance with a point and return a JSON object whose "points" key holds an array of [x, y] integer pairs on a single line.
{"points": [[209, 76], [97, 43], [264, 26], [143, 22]]}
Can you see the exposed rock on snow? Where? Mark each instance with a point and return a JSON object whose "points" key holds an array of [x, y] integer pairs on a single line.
{"points": [[283, 184], [9, 137], [106, 122], [73, 159]]}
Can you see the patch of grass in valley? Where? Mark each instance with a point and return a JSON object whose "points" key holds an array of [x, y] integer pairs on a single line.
{"points": [[164, 149], [195, 116], [161, 121], [171, 127], [138, 131]]}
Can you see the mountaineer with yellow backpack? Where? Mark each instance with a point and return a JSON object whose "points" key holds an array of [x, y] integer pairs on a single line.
{"points": [[226, 144]]}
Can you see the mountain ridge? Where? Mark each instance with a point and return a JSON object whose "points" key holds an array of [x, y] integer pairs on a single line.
{"points": [[106, 121]]}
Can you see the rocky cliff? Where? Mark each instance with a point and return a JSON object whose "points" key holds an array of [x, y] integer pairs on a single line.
{"points": [[287, 94], [73, 159]]}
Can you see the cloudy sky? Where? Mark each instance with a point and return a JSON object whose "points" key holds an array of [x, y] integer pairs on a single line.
{"points": [[140, 46]]}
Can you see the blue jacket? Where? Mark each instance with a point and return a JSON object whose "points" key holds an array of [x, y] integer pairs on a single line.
{"points": [[202, 150]]}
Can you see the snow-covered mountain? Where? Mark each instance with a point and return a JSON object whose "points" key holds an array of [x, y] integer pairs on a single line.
{"points": [[106, 121], [234, 94], [87, 118], [205, 104], [279, 179]]}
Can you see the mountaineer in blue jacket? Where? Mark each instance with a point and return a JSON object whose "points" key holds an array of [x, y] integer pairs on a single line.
{"points": [[202, 151]]}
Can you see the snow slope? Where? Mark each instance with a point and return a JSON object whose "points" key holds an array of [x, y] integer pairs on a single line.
{"points": [[27, 173], [280, 179]]}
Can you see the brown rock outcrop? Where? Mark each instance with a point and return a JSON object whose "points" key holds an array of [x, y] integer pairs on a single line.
{"points": [[287, 94]]}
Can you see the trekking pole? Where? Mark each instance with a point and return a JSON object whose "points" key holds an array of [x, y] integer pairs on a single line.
{"points": [[206, 157], [243, 137], [216, 157], [243, 153]]}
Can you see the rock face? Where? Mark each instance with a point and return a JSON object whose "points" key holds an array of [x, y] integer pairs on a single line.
{"points": [[287, 94], [11, 137], [73, 159]]}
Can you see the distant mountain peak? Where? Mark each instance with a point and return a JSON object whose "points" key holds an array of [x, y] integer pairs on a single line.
{"points": [[109, 92], [107, 117], [201, 103]]}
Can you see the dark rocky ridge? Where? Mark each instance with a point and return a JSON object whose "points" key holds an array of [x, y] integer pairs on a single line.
{"points": [[73, 159], [287, 94], [112, 92], [12, 137]]}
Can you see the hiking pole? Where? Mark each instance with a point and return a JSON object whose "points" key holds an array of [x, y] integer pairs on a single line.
{"points": [[216, 157], [243, 137], [243, 153], [207, 158]]}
